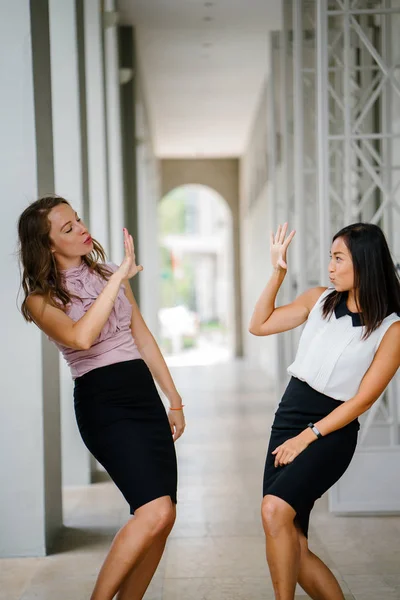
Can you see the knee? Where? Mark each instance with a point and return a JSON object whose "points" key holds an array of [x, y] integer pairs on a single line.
{"points": [[161, 519], [276, 514]]}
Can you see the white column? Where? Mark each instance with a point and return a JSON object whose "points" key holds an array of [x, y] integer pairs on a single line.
{"points": [[67, 142], [30, 465], [300, 257], [322, 137], [148, 196], [96, 123], [113, 111]]}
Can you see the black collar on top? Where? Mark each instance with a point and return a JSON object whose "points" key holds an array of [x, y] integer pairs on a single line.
{"points": [[341, 310]]}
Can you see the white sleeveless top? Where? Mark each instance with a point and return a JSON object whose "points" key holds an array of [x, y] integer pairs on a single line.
{"points": [[331, 357]]}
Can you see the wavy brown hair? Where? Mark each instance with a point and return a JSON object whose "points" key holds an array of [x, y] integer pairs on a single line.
{"points": [[39, 272], [375, 276]]}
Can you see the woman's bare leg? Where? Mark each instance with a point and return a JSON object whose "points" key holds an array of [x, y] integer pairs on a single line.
{"points": [[282, 545], [316, 579], [138, 580], [131, 544]]}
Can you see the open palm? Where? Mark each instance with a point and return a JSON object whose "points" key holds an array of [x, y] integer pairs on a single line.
{"points": [[279, 246], [128, 267]]}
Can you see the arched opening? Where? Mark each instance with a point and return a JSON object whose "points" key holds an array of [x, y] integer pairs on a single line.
{"points": [[196, 308]]}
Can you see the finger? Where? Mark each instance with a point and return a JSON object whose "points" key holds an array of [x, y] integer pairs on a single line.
{"points": [[130, 245], [271, 239], [126, 242], [289, 239], [278, 458], [179, 433], [283, 233], [278, 233], [284, 458]]}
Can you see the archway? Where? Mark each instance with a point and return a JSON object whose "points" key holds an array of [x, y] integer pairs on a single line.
{"points": [[196, 314], [222, 176]]}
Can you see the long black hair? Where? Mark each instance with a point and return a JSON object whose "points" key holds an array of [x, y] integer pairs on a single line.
{"points": [[375, 277]]}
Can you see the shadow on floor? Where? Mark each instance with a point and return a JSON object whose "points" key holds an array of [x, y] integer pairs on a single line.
{"points": [[73, 539]]}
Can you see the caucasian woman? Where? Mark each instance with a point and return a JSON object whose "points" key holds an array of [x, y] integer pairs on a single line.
{"points": [[86, 307]]}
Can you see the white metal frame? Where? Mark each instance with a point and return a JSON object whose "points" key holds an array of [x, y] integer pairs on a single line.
{"points": [[364, 59], [357, 101]]}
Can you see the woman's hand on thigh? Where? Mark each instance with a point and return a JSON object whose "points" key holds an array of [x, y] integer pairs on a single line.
{"points": [[289, 450]]}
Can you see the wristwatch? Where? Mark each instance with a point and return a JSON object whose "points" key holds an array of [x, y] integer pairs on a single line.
{"points": [[315, 430]]}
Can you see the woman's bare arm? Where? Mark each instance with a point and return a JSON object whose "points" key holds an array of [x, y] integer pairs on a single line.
{"points": [[81, 334], [154, 359], [151, 353], [383, 368], [267, 319]]}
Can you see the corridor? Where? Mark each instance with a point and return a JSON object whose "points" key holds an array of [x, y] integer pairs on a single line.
{"points": [[216, 550]]}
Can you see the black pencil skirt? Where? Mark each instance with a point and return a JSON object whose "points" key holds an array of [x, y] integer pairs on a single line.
{"points": [[322, 463], [123, 423]]}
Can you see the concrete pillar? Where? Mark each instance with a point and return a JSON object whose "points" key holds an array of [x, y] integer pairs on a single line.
{"points": [[30, 467], [96, 122], [148, 198], [68, 174], [114, 144], [128, 120]]}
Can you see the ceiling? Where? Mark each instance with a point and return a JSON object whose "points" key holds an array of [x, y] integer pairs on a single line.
{"points": [[203, 65]]}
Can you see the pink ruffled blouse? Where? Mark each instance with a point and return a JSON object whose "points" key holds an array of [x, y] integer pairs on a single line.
{"points": [[115, 342]]}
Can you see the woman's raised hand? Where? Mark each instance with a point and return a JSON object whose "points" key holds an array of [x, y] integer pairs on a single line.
{"points": [[128, 267], [279, 246]]}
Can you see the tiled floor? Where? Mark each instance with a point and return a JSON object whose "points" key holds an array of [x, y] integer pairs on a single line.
{"points": [[216, 550]]}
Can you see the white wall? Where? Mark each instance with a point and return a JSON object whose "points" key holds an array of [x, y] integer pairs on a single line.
{"points": [[96, 124], [256, 270], [255, 209], [114, 144], [149, 192]]}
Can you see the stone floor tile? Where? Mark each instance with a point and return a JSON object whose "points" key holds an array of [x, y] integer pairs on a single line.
{"points": [[216, 549]]}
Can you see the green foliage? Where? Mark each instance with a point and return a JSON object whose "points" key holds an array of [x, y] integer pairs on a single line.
{"points": [[172, 220], [176, 291], [172, 213]]}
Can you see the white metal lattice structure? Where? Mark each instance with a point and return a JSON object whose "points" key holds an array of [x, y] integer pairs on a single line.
{"points": [[342, 59], [359, 84]]}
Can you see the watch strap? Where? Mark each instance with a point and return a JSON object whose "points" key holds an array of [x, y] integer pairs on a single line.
{"points": [[315, 430]]}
